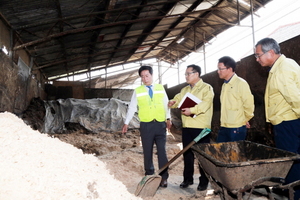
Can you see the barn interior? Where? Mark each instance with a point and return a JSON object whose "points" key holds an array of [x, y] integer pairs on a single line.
{"points": [[50, 51]]}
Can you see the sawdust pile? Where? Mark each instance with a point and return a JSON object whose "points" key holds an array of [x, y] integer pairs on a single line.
{"points": [[36, 166]]}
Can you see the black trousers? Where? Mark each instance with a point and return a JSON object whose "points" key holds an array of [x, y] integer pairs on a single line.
{"points": [[154, 133], [188, 135]]}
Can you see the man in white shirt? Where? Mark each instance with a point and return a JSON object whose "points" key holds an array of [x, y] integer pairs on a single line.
{"points": [[151, 102]]}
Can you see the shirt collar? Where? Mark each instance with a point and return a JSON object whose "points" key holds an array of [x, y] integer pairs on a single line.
{"points": [[275, 65], [229, 79], [198, 82]]}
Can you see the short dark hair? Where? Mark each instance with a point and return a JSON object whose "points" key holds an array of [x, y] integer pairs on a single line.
{"points": [[228, 62], [196, 68], [268, 44], [145, 67]]}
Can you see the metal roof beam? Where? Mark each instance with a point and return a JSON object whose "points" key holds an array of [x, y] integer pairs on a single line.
{"points": [[91, 14], [78, 30]]}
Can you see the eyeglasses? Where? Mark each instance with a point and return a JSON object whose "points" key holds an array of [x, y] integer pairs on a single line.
{"points": [[189, 73], [258, 56], [221, 69]]}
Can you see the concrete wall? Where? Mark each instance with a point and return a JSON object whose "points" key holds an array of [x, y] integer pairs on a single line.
{"points": [[65, 89], [123, 94], [78, 90]]}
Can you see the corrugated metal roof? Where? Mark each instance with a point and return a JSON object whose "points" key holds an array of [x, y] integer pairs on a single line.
{"points": [[286, 32], [67, 37]]}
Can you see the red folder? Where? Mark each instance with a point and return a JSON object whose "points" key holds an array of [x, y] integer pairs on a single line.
{"points": [[189, 100]]}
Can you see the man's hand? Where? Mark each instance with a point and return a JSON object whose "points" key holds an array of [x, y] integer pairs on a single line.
{"points": [[125, 128], [248, 125], [171, 103], [169, 125], [186, 111]]}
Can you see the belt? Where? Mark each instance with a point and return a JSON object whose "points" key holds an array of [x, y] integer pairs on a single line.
{"points": [[154, 120]]}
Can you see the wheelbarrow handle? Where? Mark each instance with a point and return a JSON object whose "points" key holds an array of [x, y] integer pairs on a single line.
{"points": [[203, 133], [261, 180], [277, 180]]}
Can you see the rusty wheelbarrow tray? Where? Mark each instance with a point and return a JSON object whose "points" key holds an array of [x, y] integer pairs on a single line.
{"points": [[236, 166]]}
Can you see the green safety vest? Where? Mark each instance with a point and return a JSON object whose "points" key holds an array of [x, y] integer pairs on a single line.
{"points": [[150, 109]]}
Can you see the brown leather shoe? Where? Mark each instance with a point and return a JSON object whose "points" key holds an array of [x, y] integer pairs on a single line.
{"points": [[164, 183]]}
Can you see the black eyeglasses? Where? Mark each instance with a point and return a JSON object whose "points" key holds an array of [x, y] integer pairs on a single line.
{"points": [[258, 56], [189, 73]]}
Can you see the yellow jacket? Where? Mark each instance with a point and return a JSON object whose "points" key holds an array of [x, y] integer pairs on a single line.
{"points": [[282, 95], [203, 110], [237, 103]]}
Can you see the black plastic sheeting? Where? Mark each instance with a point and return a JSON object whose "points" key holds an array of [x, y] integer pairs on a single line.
{"points": [[96, 115]]}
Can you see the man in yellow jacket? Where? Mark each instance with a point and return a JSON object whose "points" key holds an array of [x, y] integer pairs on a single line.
{"points": [[151, 102], [237, 103], [192, 126], [282, 100]]}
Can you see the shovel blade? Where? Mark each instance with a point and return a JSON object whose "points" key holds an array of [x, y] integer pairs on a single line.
{"points": [[148, 186]]}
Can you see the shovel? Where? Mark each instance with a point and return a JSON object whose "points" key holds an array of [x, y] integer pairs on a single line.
{"points": [[150, 183]]}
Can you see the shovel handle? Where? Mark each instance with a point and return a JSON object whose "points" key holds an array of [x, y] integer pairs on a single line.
{"points": [[203, 133]]}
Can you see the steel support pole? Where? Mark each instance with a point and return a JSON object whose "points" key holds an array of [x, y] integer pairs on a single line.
{"points": [[252, 21], [204, 53]]}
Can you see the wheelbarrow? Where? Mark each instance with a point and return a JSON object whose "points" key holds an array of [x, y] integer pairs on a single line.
{"points": [[236, 167]]}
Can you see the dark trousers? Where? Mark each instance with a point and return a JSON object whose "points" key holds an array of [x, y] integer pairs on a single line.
{"points": [[287, 137], [154, 133], [232, 134], [188, 135]]}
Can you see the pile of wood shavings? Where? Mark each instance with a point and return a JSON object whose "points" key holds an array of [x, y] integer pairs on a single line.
{"points": [[38, 167]]}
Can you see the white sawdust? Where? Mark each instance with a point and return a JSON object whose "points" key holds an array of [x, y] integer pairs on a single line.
{"points": [[37, 167]]}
